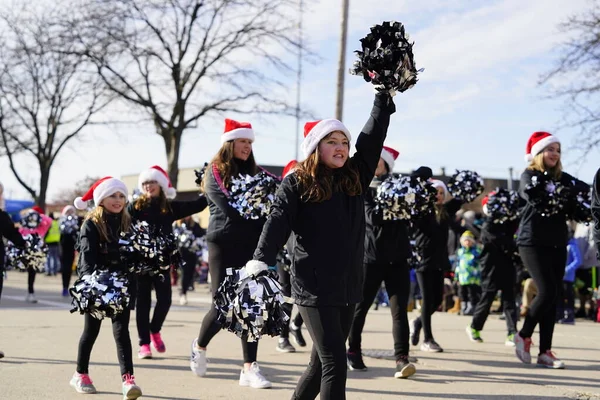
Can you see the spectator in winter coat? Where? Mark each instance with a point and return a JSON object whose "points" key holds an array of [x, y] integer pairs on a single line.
{"points": [[322, 203], [40, 230], [468, 272], [565, 312]]}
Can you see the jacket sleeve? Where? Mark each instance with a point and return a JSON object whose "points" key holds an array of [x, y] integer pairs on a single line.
{"points": [[596, 211], [452, 206], [373, 216], [278, 227], [89, 242], [9, 230], [216, 195], [182, 209], [370, 141], [575, 258], [524, 182]]}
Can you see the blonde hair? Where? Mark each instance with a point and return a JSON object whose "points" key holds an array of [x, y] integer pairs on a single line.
{"points": [[317, 180], [537, 164], [97, 216], [144, 201], [223, 160]]}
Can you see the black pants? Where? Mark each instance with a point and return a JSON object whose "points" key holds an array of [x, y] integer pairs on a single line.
{"points": [[431, 283], [470, 293], [498, 272], [162, 287], [568, 302], [189, 268], [67, 257], [547, 267], [1, 280], [219, 259], [397, 285], [30, 279], [326, 371], [120, 327], [286, 288]]}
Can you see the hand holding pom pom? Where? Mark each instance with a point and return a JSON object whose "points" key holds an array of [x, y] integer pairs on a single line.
{"points": [[465, 185], [252, 196], [548, 196], [404, 198], [502, 206]]}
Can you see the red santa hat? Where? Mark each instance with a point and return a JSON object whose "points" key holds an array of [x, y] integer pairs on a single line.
{"points": [[289, 168], [100, 190], [156, 173], [37, 209], [67, 209], [389, 155], [537, 142], [237, 130], [485, 200], [316, 130]]}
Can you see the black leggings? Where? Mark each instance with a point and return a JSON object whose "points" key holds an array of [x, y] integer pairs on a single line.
{"points": [[162, 287], [431, 283], [286, 289], [547, 267], [568, 302], [397, 285], [30, 279], [218, 264], [120, 326], [66, 262], [189, 268], [497, 273], [326, 371]]}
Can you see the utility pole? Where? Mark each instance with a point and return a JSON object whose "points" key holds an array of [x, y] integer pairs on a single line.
{"points": [[339, 103], [510, 178], [299, 76]]}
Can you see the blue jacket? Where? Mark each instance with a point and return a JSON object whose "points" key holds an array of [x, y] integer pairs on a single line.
{"points": [[573, 260]]}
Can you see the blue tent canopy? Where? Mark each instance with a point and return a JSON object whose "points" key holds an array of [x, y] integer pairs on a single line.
{"points": [[13, 207]]}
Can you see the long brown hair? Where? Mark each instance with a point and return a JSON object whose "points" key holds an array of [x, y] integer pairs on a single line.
{"points": [[144, 201], [537, 164], [318, 182], [223, 160], [97, 216]]}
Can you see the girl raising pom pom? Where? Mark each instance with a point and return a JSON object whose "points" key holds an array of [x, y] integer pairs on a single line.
{"points": [[322, 203], [99, 248]]}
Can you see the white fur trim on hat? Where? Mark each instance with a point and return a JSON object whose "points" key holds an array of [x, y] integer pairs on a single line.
{"points": [[239, 133], [540, 145], [388, 158], [105, 189], [436, 183], [152, 174], [319, 131]]}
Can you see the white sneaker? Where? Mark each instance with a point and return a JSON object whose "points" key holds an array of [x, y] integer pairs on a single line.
{"points": [[254, 378], [183, 300], [198, 362], [549, 360], [30, 298], [82, 383]]}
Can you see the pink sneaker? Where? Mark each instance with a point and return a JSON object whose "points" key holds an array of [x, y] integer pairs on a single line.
{"points": [[145, 352], [82, 383], [158, 343], [549, 360], [522, 348], [131, 391]]}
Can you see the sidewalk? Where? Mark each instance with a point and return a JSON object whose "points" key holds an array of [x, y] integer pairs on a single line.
{"points": [[40, 343]]}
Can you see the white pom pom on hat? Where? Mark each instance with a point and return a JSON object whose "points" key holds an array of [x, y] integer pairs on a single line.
{"points": [[100, 190], [156, 173]]}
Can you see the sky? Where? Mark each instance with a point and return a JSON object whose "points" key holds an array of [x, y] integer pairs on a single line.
{"points": [[474, 107]]}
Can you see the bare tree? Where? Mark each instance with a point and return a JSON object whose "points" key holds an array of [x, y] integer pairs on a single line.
{"points": [[46, 97], [179, 61], [78, 189], [576, 76]]}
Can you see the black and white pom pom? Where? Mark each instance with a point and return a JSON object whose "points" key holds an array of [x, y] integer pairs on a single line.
{"points": [[548, 196], [31, 219], [502, 206], [148, 250], [253, 196], [413, 259], [251, 304], [200, 173], [465, 185], [186, 239], [386, 58], [284, 259], [405, 198], [34, 255], [69, 225], [101, 294], [580, 197]]}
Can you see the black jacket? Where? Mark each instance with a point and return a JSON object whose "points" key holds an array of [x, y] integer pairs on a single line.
{"points": [[177, 210], [226, 226], [327, 260], [95, 253], [385, 241], [596, 211], [498, 241], [68, 242], [10, 232], [535, 229], [431, 238]]}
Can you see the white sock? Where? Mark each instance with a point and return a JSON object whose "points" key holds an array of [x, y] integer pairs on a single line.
{"points": [[293, 326]]}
